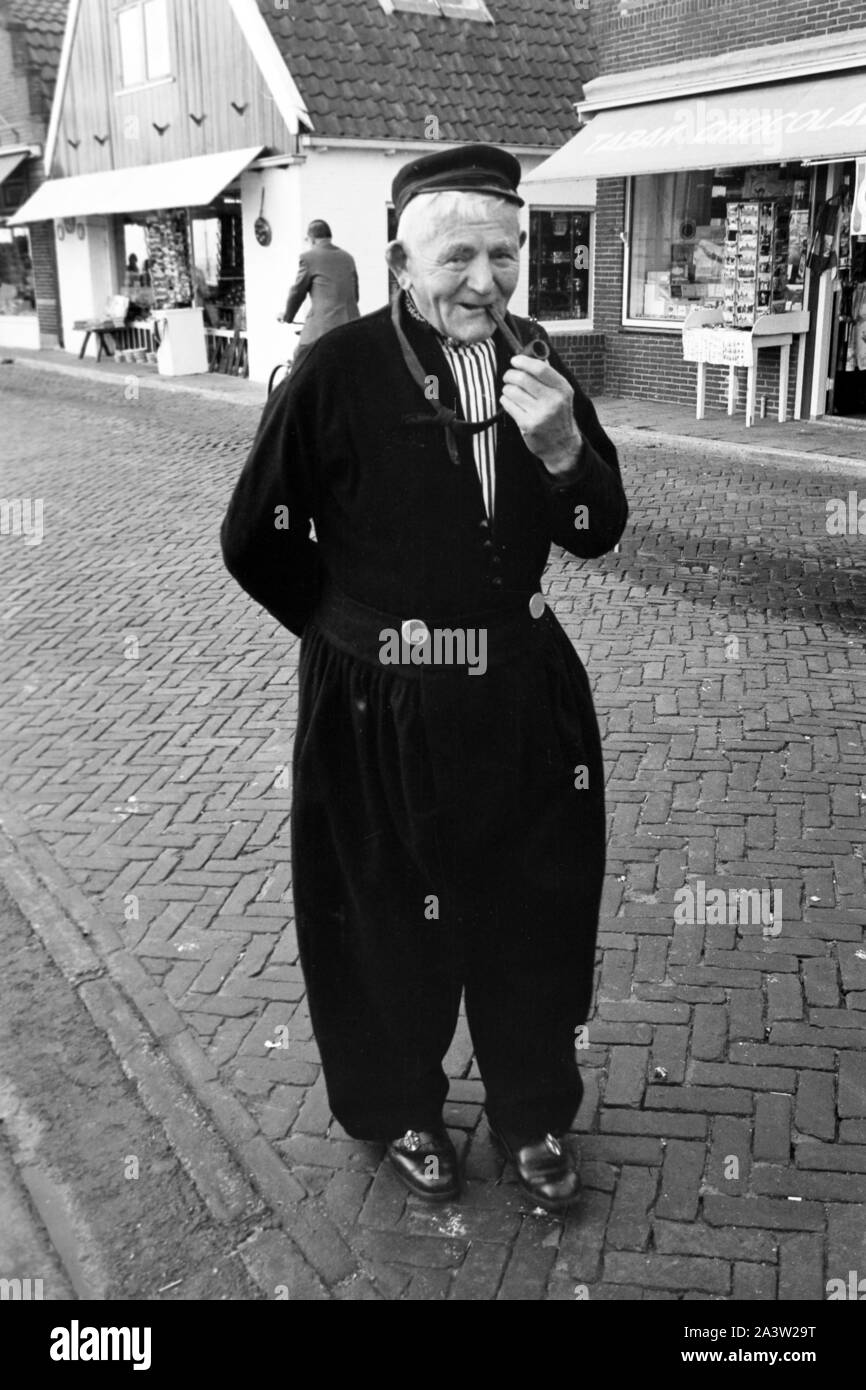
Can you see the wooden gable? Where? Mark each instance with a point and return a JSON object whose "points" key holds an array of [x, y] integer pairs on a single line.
{"points": [[213, 97]]}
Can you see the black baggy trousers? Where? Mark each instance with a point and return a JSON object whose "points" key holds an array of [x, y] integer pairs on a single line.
{"points": [[448, 835]]}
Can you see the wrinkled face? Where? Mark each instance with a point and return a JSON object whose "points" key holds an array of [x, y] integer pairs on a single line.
{"points": [[458, 263]]}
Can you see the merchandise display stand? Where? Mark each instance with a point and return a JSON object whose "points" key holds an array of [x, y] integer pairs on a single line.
{"points": [[182, 350], [706, 339]]}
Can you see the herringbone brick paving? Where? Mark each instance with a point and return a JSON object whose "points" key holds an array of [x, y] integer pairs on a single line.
{"points": [[147, 731]]}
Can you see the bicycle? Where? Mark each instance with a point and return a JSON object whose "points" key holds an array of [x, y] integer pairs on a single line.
{"points": [[282, 369]]}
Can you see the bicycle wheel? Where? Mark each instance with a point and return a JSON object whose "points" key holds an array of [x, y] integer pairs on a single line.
{"points": [[278, 375]]}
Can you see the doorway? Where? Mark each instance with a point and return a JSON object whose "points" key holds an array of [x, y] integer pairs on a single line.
{"points": [[846, 394]]}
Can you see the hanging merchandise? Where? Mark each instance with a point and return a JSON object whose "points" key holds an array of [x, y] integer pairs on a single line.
{"points": [[231, 289], [845, 234], [855, 357], [168, 251], [848, 348], [263, 226], [821, 249]]}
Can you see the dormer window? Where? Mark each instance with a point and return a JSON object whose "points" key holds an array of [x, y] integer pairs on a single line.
{"points": [[450, 9], [144, 42], [466, 9]]}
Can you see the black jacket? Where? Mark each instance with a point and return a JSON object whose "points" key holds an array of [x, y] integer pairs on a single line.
{"points": [[345, 442]]}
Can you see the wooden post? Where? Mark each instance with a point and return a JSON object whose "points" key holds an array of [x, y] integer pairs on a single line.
{"points": [[784, 368], [751, 386], [700, 409]]}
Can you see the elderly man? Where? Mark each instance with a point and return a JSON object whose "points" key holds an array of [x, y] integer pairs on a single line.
{"points": [[448, 831]]}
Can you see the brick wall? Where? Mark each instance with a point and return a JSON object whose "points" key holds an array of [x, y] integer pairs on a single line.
{"points": [[628, 34], [583, 353]]}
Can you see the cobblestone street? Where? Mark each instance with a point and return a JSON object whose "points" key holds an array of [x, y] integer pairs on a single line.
{"points": [[149, 709]]}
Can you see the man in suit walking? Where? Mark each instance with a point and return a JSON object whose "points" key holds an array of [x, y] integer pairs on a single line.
{"points": [[329, 276]]}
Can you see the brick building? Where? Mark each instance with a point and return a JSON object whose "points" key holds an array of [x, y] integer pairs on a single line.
{"points": [[703, 117], [31, 37]]}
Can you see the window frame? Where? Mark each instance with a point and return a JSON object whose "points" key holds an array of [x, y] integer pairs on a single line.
{"points": [[440, 8], [643, 325], [11, 235], [584, 325], [482, 15], [139, 7]]}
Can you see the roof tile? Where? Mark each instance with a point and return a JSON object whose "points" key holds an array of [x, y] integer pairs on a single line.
{"points": [[43, 24], [365, 73]]}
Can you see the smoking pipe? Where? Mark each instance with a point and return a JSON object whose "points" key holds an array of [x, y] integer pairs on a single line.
{"points": [[537, 347]]}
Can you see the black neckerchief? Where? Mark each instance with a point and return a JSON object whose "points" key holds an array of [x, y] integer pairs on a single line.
{"points": [[437, 413]]}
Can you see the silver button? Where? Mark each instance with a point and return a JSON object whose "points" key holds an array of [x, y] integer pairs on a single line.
{"points": [[415, 631], [537, 605]]}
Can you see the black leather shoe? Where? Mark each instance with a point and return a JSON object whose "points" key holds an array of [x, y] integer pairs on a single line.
{"points": [[426, 1161], [546, 1168]]}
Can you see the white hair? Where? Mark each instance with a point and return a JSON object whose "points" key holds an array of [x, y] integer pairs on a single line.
{"points": [[427, 212]]}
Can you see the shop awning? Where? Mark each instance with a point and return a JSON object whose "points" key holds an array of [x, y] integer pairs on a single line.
{"points": [[10, 162], [178, 184], [817, 119]]}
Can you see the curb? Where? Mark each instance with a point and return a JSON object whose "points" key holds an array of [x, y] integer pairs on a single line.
{"points": [[149, 383], [285, 1237], [823, 463]]}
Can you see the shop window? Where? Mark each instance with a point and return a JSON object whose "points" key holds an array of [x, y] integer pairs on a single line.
{"points": [[136, 285], [145, 43], [12, 194], [218, 274], [17, 291], [560, 256], [679, 228]]}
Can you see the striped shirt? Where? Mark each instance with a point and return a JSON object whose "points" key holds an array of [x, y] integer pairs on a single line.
{"points": [[473, 366]]}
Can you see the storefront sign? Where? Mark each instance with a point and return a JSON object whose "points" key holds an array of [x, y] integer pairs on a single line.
{"points": [[732, 126], [727, 347], [779, 122]]}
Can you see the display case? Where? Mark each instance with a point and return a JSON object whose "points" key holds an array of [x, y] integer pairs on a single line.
{"points": [[707, 339], [559, 264], [755, 267]]}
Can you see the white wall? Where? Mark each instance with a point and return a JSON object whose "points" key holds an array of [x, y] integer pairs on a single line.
{"points": [[351, 190], [86, 274], [269, 270]]}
